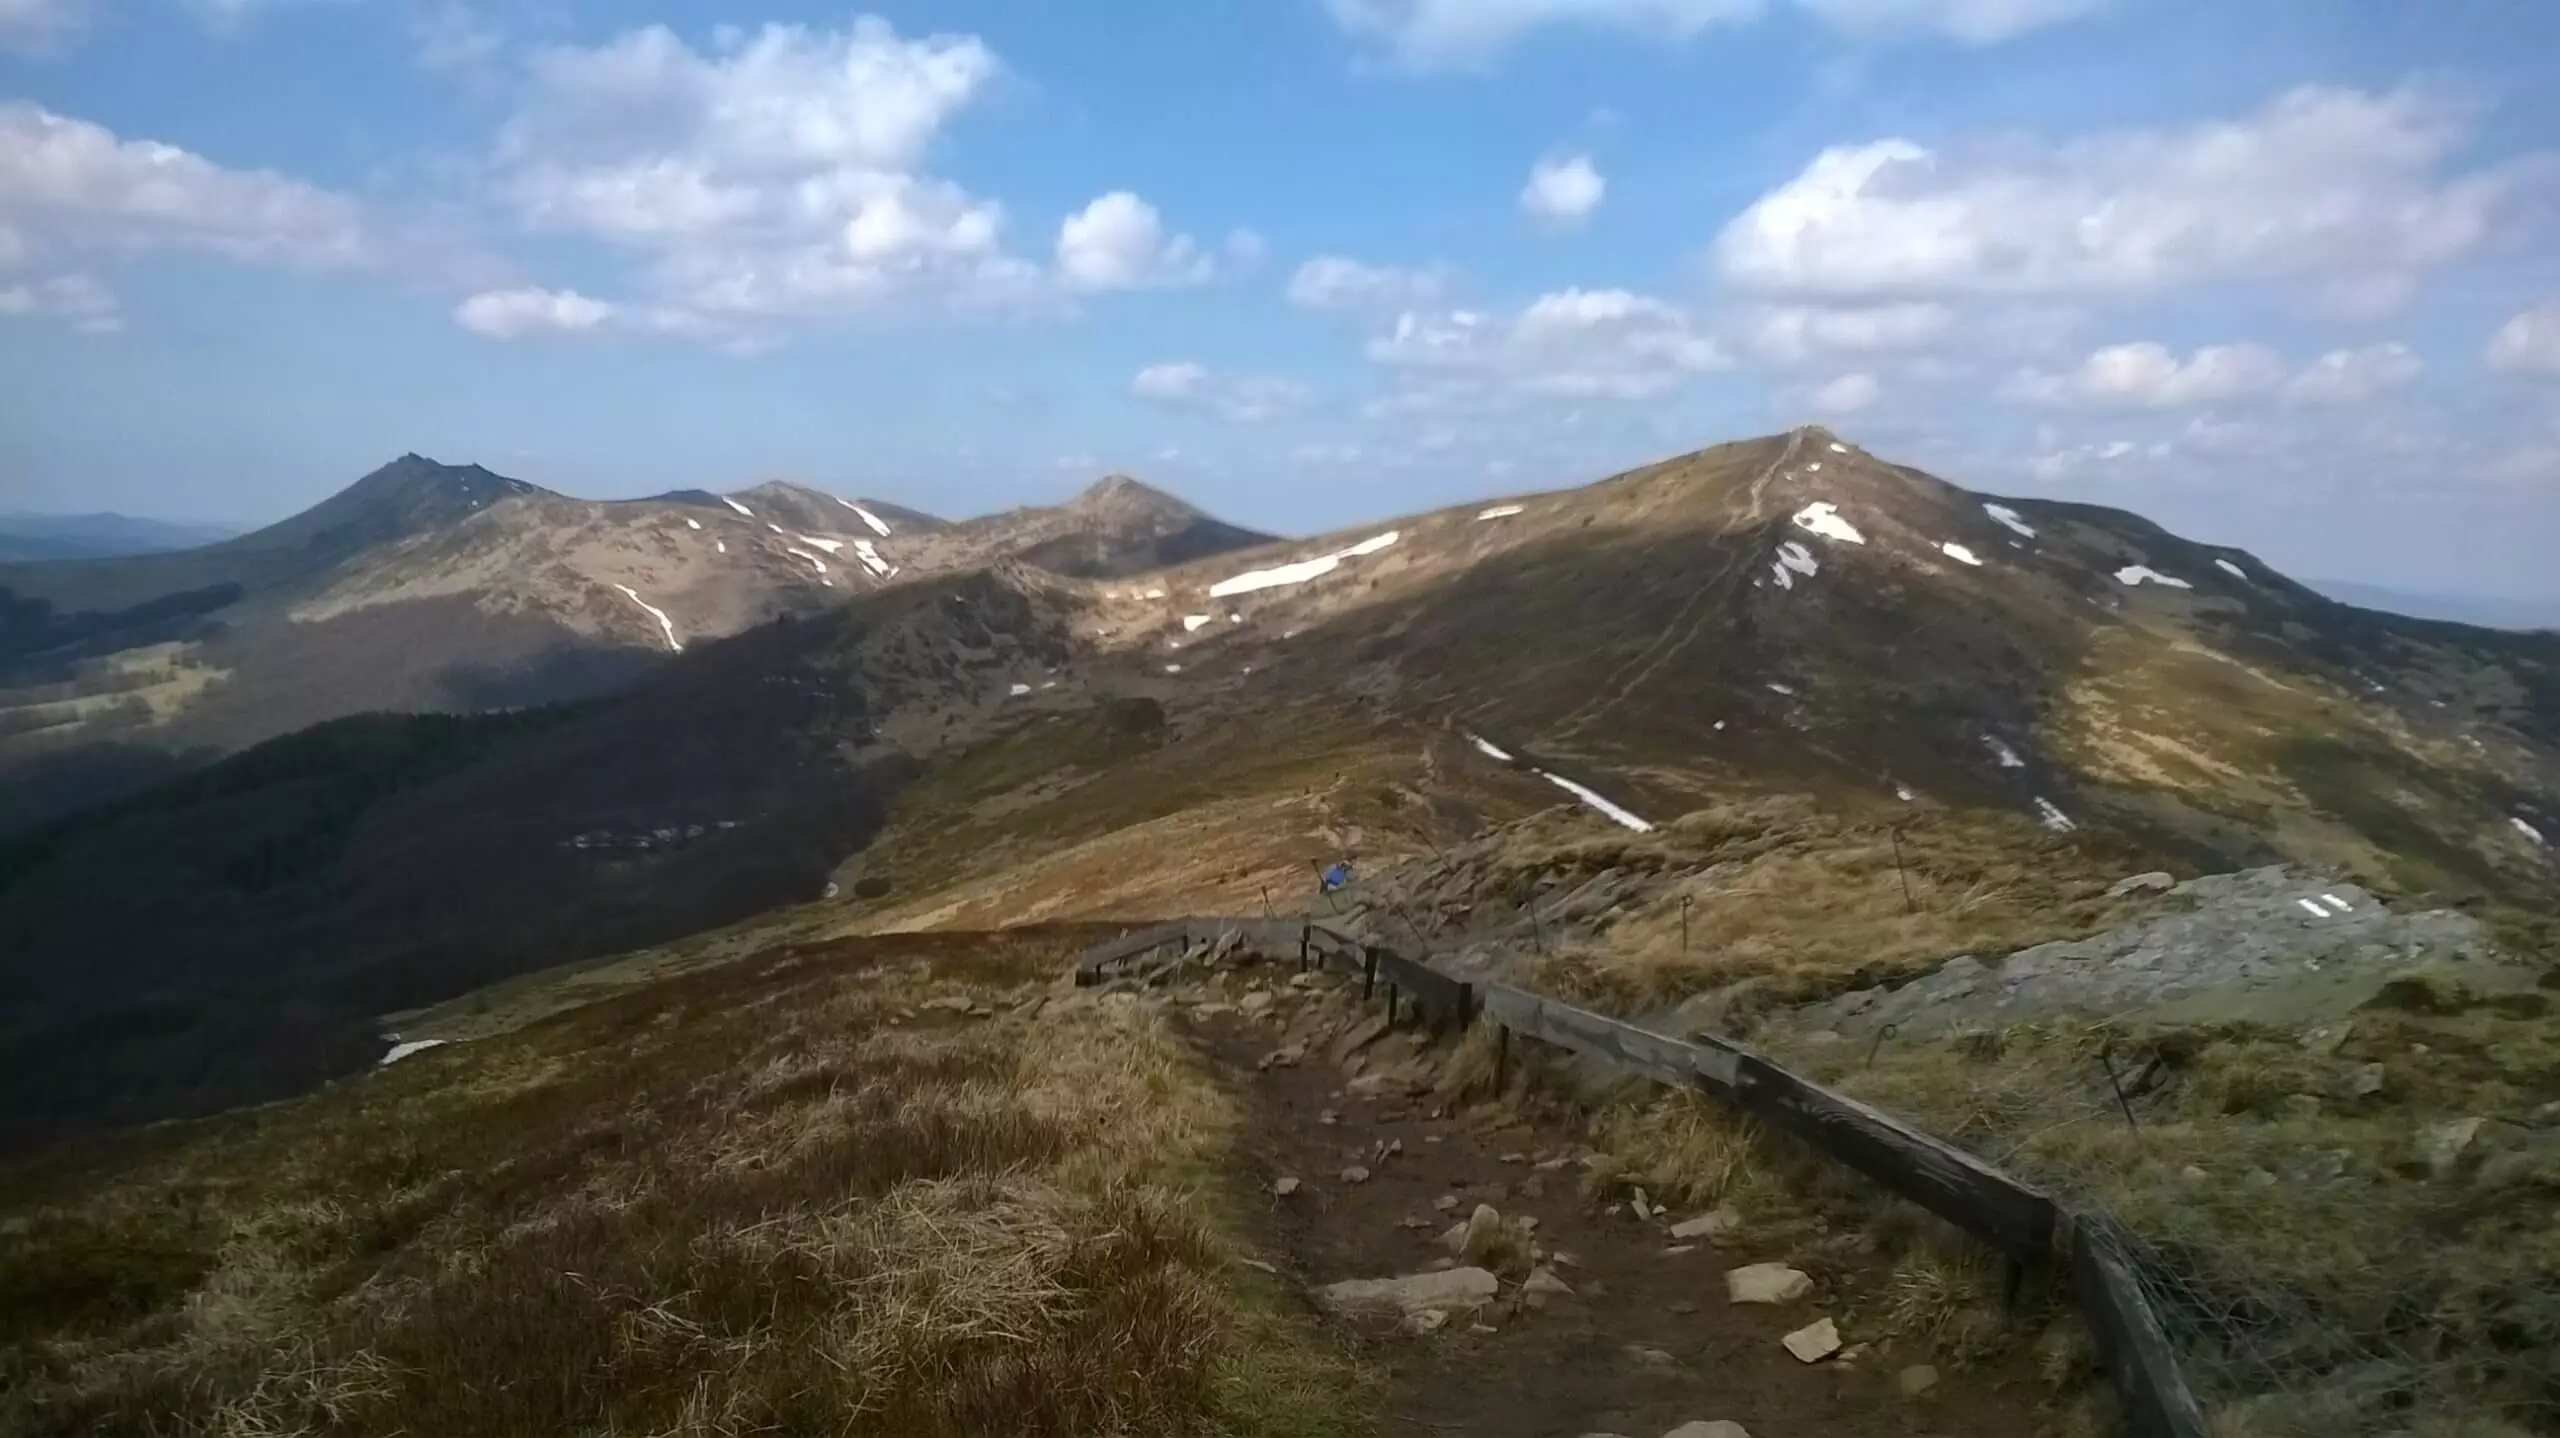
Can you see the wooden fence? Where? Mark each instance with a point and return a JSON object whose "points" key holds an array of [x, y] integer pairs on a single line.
{"points": [[2023, 1223]]}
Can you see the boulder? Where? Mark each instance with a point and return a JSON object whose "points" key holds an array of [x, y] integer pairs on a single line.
{"points": [[1707, 1225], [1718, 1428], [1482, 1232], [1283, 1187], [2158, 881], [1767, 1283], [1917, 1379], [1542, 1284], [2442, 1145], [1355, 1174], [1814, 1342], [1450, 1290]]}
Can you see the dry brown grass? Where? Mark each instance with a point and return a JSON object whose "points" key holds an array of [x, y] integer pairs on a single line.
{"points": [[1786, 901], [772, 1198]]}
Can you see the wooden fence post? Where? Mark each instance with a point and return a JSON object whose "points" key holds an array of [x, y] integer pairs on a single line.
{"points": [[1368, 973], [1501, 1059]]}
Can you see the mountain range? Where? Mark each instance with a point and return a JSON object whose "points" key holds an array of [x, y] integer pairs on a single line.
{"points": [[97, 536], [1120, 705], [427, 587]]}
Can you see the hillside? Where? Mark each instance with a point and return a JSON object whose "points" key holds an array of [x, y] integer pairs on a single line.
{"points": [[1782, 617], [430, 588]]}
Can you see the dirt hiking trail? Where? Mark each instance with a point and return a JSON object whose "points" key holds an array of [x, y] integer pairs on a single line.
{"points": [[1646, 1341]]}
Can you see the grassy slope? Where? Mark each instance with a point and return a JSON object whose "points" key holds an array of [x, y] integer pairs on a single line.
{"points": [[773, 1196]]}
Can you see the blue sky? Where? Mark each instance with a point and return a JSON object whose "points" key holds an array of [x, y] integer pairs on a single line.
{"points": [[2284, 274]]}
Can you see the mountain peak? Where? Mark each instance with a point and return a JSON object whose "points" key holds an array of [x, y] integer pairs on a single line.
{"points": [[1118, 493]]}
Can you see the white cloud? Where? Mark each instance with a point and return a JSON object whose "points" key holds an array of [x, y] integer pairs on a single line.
{"points": [[513, 314], [68, 181], [1593, 344], [2344, 191], [450, 37], [37, 27], [2530, 342], [2353, 376], [1432, 34], [777, 176], [1847, 395], [75, 298], [1974, 22], [1444, 34], [1119, 243], [1339, 285], [2150, 376], [1246, 399], [1563, 191], [1794, 333]]}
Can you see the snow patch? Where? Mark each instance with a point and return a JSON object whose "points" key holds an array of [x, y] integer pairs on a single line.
{"points": [[865, 551], [1777, 688], [1373, 544], [1234, 618], [2009, 517], [776, 528], [692, 523], [2134, 575], [1959, 553], [2001, 751], [829, 545], [1793, 559], [1823, 518], [1903, 792], [814, 561], [1019, 690], [660, 615], [2235, 571], [1191, 623], [1499, 511], [1838, 448], [1615, 813], [2527, 830], [2052, 816], [407, 1047], [1814, 468], [1489, 749], [1154, 594], [733, 504], [1280, 576], [867, 517], [1173, 669], [720, 545]]}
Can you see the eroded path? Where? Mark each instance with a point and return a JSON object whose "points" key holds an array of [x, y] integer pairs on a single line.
{"points": [[1647, 1339]]}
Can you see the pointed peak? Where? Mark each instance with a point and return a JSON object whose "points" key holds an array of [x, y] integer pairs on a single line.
{"points": [[1118, 491]]}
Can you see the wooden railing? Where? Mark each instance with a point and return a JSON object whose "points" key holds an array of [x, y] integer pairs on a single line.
{"points": [[2027, 1226]]}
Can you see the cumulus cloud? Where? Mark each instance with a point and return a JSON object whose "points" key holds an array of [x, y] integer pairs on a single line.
{"points": [[2344, 191], [38, 27], [516, 313], [1119, 243], [1972, 22], [2146, 375], [777, 175], [1575, 343], [1848, 394], [1336, 284], [71, 183], [1246, 399], [2353, 376], [1433, 34], [1796, 333], [1445, 34], [2149, 376], [1563, 191], [2528, 343], [75, 299]]}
